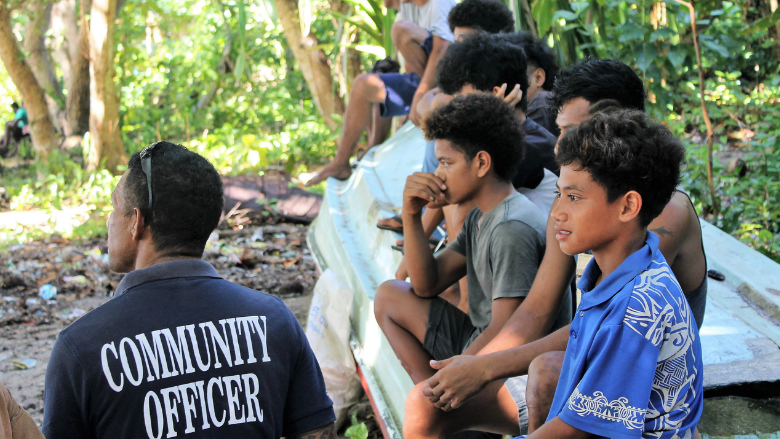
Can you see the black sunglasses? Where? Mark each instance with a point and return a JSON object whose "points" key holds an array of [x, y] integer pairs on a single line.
{"points": [[146, 166]]}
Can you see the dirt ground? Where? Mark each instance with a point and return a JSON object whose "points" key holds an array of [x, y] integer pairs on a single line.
{"points": [[271, 258]]}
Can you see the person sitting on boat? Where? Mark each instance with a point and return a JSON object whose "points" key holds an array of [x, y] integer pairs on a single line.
{"points": [[421, 34], [180, 350], [487, 63], [479, 143], [520, 341], [542, 71], [633, 361], [14, 129]]}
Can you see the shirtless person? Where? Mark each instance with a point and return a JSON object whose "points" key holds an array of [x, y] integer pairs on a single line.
{"points": [[511, 352]]}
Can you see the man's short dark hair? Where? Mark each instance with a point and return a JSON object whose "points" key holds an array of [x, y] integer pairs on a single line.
{"points": [[187, 198], [15, 106], [480, 122], [491, 16], [538, 54], [623, 151], [484, 61], [597, 79]]}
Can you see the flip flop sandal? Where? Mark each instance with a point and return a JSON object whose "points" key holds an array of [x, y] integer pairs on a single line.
{"points": [[435, 245], [391, 228]]}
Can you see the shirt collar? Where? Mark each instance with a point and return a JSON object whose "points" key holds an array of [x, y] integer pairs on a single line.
{"points": [[166, 270], [623, 274]]}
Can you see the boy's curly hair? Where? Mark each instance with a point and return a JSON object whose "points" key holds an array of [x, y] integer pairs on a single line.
{"points": [[484, 61], [491, 16], [480, 122], [538, 54], [625, 150]]}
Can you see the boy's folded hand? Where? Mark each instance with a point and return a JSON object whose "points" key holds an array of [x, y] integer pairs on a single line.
{"points": [[458, 379], [423, 189]]}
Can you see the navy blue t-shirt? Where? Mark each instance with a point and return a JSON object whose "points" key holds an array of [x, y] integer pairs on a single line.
{"points": [[183, 352], [539, 154]]}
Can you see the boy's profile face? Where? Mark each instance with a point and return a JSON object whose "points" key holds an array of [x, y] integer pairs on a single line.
{"points": [[460, 175], [572, 113], [584, 219]]}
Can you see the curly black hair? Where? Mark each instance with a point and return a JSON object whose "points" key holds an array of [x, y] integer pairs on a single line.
{"points": [[480, 122], [625, 150], [597, 79], [491, 16], [187, 198], [484, 61], [538, 54]]}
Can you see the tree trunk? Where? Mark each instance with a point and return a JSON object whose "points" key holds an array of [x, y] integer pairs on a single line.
{"points": [[106, 139], [313, 63], [69, 19], [34, 100], [38, 58]]}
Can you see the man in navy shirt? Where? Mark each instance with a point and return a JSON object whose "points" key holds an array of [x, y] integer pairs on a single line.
{"points": [[179, 350]]}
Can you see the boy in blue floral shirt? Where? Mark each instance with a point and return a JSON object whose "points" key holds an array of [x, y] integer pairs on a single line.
{"points": [[633, 365]]}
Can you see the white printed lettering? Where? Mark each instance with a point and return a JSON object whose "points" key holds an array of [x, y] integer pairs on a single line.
{"points": [[233, 399], [202, 398], [196, 350], [136, 358], [104, 359], [210, 401], [236, 349], [261, 332], [148, 415], [252, 404], [245, 323], [171, 409], [189, 404], [217, 339]]}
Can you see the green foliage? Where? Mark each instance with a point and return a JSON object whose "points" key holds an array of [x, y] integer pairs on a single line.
{"points": [[751, 211], [178, 84], [358, 430]]}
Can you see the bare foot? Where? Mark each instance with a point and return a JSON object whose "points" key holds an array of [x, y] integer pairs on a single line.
{"points": [[336, 170]]}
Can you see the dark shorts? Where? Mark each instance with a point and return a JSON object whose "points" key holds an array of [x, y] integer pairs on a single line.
{"points": [[400, 88], [450, 332]]}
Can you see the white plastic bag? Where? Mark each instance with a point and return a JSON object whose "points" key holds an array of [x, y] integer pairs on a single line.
{"points": [[328, 329]]}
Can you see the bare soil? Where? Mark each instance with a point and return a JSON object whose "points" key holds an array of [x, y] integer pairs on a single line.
{"points": [[271, 258]]}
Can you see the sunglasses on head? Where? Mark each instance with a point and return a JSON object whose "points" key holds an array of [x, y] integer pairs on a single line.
{"points": [[146, 166]]}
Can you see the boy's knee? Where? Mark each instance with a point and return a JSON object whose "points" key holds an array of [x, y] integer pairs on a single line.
{"points": [[546, 368], [386, 294], [420, 413]]}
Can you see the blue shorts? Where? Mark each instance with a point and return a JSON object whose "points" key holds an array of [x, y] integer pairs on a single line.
{"points": [[400, 88]]}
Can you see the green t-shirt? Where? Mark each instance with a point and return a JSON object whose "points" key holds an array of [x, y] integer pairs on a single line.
{"points": [[21, 116]]}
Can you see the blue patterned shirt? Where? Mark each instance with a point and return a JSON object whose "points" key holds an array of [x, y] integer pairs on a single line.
{"points": [[633, 365]]}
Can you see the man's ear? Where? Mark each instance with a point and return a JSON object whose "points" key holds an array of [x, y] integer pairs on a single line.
{"points": [[630, 206], [483, 162], [539, 77], [139, 229]]}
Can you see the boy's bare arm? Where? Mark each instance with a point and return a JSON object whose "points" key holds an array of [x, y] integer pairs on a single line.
{"points": [[501, 310], [535, 316], [557, 429], [429, 275], [328, 432], [671, 226], [461, 377]]}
